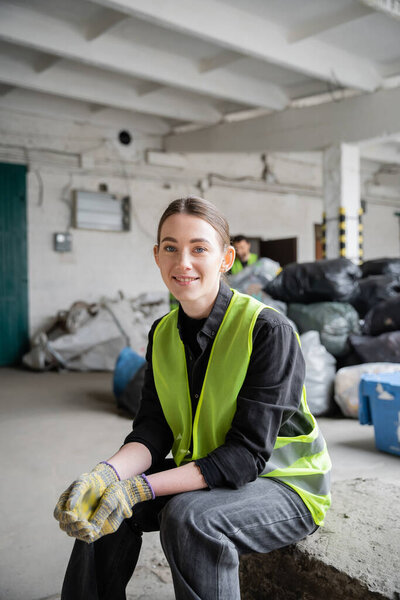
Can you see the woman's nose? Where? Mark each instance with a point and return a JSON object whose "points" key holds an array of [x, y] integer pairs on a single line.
{"points": [[184, 260]]}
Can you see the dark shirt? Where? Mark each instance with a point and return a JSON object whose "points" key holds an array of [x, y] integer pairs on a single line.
{"points": [[267, 404]]}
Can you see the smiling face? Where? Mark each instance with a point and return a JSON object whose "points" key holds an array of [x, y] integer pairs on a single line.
{"points": [[191, 258]]}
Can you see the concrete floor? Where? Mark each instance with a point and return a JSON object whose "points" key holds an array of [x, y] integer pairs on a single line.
{"points": [[54, 427]]}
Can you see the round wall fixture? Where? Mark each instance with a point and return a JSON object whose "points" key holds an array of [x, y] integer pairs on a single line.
{"points": [[125, 137]]}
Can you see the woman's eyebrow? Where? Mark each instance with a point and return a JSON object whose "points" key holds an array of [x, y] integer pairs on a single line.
{"points": [[193, 241], [196, 240]]}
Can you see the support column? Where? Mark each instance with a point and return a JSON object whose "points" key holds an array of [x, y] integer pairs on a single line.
{"points": [[342, 225]]}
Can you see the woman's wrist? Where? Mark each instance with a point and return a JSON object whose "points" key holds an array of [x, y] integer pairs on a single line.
{"points": [[131, 460]]}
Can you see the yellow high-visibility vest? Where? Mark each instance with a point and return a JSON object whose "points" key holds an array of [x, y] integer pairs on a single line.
{"points": [[237, 265], [301, 461]]}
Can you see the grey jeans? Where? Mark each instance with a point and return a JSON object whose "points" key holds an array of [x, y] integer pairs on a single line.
{"points": [[202, 534]]}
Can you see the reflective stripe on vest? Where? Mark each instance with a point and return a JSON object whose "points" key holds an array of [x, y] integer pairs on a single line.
{"points": [[302, 461]]}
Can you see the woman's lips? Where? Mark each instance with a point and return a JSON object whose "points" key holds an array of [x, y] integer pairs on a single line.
{"points": [[184, 281]]}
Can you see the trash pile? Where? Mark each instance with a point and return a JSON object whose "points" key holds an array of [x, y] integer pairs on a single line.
{"points": [[348, 318], [90, 337]]}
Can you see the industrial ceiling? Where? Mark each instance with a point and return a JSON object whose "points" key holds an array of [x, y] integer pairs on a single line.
{"points": [[212, 75]]}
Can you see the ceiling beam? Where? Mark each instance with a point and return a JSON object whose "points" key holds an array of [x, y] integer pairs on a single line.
{"points": [[5, 89], [29, 28], [383, 153], [390, 7], [148, 88], [253, 36], [105, 21], [352, 120], [45, 62], [222, 59], [95, 109], [317, 26], [82, 83], [46, 105]]}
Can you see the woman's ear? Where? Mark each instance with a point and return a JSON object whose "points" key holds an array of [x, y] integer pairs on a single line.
{"points": [[155, 252], [229, 258]]}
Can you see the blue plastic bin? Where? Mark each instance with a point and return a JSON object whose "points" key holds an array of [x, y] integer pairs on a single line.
{"points": [[380, 407], [127, 365]]}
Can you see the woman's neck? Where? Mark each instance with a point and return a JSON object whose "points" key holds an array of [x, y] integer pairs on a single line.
{"points": [[197, 311], [200, 308]]}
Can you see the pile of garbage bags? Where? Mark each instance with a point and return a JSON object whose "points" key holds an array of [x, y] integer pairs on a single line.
{"points": [[318, 281], [380, 266], [375, 289], [90, 337], [334, 321], [351, 312], [348, 319]]}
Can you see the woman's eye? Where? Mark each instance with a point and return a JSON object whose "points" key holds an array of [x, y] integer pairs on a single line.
{"points": [[200, 250], [169, 248]]}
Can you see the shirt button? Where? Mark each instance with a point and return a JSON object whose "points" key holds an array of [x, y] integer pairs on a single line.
{"points": [[213, 333], [196, 396]]}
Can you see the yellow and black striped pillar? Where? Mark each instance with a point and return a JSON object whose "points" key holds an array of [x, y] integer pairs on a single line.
{"points": [[360, 236], [323, 239], [342, 231]]}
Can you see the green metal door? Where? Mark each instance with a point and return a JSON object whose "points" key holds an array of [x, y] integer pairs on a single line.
{"points": [[13, 264]]}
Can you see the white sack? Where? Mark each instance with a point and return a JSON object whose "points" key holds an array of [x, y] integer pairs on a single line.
{"points": [[347, 381], [320, 373]]}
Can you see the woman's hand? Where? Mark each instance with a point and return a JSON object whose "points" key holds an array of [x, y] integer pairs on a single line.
{"points": [[116, 504], [80, 500]]}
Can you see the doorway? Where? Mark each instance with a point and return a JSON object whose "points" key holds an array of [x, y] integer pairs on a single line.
{"points": [[283, 251], [14, 335], [319, 241]]}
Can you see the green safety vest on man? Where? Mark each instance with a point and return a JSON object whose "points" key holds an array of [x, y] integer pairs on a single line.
{"points": [[301, 461], [237, 265]]}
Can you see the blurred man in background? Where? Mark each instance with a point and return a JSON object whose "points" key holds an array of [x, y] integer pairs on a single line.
{"points": [[243, 255]]}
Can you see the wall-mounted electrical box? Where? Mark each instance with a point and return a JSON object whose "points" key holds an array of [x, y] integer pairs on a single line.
{"points": [[101, 211], [62, 241]]}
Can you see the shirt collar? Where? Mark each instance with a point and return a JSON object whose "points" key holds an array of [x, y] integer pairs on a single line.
{"points": [[214, 319]]}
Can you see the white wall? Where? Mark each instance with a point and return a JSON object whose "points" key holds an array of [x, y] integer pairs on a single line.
{"points": [[381, 231], [271, 216], [101, 263], [282, 200]]}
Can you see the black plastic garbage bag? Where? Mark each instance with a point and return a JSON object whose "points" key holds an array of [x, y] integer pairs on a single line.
{"points": [[335, 321], [381, 348], [373, 290], [381, 266], [318, 281], [383, 317]]}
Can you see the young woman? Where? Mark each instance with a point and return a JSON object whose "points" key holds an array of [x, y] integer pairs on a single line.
{"points": [[224, 393]]}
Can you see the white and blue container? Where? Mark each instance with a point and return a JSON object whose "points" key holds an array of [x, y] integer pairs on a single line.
{"points": [[380, 406]]}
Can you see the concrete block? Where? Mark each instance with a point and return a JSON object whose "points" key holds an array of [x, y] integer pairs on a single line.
{"points": [[355, 556]]}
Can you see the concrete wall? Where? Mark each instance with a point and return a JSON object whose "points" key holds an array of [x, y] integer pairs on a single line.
{"points": [[269, 197], [101, 263], [271, 216], [381, 230]]}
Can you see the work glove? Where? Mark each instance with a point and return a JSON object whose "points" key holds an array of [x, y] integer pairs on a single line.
{"points": [[81, 498], [115, 505]]}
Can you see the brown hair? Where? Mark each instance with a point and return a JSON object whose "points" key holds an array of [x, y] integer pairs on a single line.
{"points": [[198, 207]]}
